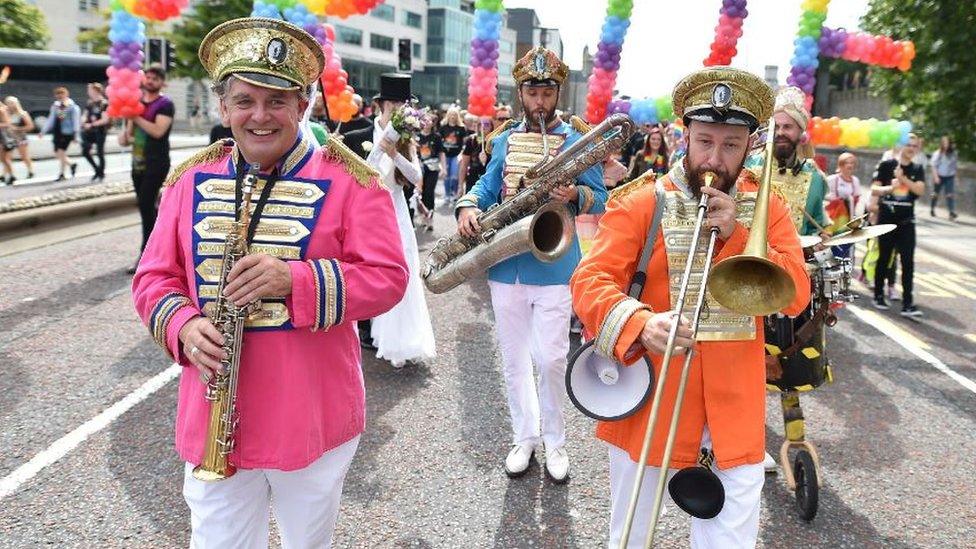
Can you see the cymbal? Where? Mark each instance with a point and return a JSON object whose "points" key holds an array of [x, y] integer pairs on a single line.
{"points": [[859, 234], [809, 240]]}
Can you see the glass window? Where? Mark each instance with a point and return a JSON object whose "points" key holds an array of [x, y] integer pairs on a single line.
{"points": [[380, 42], [435, 53], [435, 25], [417, 51], [412, 19], [383, 11], [348, 35]]}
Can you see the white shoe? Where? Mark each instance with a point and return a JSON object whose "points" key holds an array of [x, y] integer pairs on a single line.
{"points": [[769, 465], [398, 364], [517, 461], [557, 464]]}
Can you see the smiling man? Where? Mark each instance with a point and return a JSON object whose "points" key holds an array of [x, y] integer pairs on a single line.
{"points": [[324, 251]]}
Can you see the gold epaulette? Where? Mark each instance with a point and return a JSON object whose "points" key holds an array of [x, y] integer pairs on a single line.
{"points": [[496, 132], [336, 151], [208, 155], [579, 124], [647, 178]]}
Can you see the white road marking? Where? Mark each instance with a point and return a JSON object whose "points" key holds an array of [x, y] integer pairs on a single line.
{"points": [[910, 343], [70, 441]]}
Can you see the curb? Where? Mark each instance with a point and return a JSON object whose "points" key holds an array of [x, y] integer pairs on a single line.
{"points": [[33, 217]]}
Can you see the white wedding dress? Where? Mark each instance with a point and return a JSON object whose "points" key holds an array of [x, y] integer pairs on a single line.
{"points": [[404, 332]]}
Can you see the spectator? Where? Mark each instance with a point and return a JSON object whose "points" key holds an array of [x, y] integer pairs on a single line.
{"points": [[358, 121], [149, 136], [7, 144], [64, 125], [94, 128], [432, 159], [651, 155], [843, 194], [944, 165], [20, 124], [471, 123], [452, 134], [220, 131], [898, 182]]}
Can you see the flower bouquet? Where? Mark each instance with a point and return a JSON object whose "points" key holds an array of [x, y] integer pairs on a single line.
{"points": [[405, 123]]}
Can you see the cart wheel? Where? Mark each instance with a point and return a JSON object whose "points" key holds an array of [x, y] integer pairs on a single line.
{"points": [[807, 485]]}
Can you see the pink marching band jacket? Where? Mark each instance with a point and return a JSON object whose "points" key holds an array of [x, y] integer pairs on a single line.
{"points": [[301, 389]]}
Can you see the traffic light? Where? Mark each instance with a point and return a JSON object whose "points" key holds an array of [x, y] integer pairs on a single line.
{"points": [[404, 54], [161, 51], [169, 59], [154, 51]]}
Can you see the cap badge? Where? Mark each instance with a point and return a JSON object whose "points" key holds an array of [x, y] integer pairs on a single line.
{"points": [[721, 96], [276, 51], [540, 62]]}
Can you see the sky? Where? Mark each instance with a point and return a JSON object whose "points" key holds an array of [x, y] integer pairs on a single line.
{"points": [[667, 39]]}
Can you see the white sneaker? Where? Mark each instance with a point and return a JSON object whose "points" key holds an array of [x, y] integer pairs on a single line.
{"points": [[517, 461], [557, 464], [769, 465]]}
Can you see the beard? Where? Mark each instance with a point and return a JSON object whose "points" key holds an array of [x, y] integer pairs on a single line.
{"points": [[696, 178], [784, 149], [532, 118]]}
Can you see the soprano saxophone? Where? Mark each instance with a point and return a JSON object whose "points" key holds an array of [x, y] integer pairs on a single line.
{"points": [[229, 320], [528, 222]]}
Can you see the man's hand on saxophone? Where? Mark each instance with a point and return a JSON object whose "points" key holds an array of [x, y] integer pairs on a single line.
{"points": [[564, 194], [203, 345], [256, 276], [468, 222]]}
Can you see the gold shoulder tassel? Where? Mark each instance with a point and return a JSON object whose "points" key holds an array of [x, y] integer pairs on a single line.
{"points": [[579, 124], [646, 178], [207, 155], [496, 132], [336, 151]]}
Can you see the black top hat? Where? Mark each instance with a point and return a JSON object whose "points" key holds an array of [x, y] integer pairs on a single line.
{"points": [[394, 87]]}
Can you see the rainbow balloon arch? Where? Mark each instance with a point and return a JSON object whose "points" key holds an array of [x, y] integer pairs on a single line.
{"points": [[483, 79], [127, 34], [813, 42]]}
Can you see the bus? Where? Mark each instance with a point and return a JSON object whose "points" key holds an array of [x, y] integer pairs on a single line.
{"points": [[33, 74]]}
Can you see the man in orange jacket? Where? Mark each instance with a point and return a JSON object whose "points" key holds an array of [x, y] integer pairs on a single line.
{"points": [[724, 404]]}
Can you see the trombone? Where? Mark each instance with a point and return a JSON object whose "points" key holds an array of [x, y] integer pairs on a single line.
{"points": [[749, 284]]}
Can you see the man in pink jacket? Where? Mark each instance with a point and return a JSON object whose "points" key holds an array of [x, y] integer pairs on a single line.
{"points": [[324, 252]]}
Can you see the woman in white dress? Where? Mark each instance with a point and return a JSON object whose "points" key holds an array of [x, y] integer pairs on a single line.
{"points": [[404, 333]]}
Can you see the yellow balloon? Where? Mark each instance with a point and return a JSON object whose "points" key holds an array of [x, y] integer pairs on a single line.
{"points": [[316, 6], [129, 5]]}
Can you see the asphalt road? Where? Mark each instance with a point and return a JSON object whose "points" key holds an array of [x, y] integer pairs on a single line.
{"points": [[894, 431]]}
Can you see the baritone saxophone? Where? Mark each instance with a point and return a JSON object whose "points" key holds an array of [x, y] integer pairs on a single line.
{"points": [[529, 222]]}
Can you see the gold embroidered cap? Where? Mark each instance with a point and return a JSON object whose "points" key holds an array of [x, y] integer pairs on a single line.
{"points": [[265, 52], [540, 67], [723, 95]]}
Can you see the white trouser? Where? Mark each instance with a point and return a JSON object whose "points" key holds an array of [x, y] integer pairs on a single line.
{"points": [[233, 512], [532, 325], [737, 526]]}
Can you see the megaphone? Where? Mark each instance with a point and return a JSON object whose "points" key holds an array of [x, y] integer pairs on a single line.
{"points": [[605, 390], [697, 490]]}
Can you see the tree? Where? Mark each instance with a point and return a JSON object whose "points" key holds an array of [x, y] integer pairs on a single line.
{"points": [[936, 94], [195, 24], [22, 25], [97, 38]]}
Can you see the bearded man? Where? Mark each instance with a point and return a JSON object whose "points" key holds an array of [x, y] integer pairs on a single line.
{"points": [[723, 413], [531, 298]]}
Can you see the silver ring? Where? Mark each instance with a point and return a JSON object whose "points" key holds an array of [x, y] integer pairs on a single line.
{"points": [[194, 350]]}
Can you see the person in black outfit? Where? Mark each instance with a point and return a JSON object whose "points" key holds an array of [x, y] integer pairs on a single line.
{"points": [[452, 132], [94, 126], [898, 182], [149, 135], [219, 131], [433, 162]]}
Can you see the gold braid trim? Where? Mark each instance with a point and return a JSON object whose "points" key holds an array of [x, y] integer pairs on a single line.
{"points": [[207, 155], [579, 124], [336, 151], [647, 178], [496, 132]]}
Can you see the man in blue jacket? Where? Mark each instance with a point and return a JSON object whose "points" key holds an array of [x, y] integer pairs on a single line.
{"points": [[531, 299]]}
